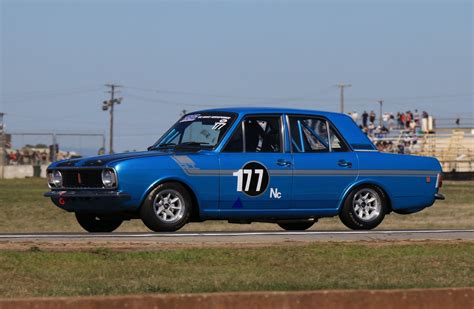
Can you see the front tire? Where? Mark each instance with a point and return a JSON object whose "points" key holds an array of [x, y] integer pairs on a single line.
{"points": [[98, 224], [167, 208], [364, 208], [296, 226]]}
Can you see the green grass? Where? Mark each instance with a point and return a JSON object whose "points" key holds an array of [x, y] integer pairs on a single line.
{"points": [[289, 268], [24, 209]]}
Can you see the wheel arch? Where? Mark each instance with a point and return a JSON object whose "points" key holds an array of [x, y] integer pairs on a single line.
{"points": [[362, 183], [195, 209]]}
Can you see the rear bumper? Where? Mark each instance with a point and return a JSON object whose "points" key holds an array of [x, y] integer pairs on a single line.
{"points": [[90, 201]]}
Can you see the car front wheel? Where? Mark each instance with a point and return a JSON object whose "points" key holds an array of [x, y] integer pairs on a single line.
{"points": [[364, 208], [98, 224], [167, 208]]}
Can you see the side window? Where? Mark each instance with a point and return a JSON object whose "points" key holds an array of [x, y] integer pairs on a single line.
{"points": [[236, 143], [262, 134], [337, 145], [309, 134]]}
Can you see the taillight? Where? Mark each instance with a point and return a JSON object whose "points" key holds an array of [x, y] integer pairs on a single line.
{"points": [[439, 181]]}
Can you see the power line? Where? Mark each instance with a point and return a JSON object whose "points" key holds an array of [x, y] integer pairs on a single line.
{"points": [[141, 98], [46, 95], [227, 96], [36, 92], [189, 93]]}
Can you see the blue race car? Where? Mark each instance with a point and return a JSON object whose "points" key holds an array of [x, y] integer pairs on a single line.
{"points": [[285, 166]]}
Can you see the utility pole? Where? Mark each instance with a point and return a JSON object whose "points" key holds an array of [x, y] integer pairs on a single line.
{"points": [[380, 115], [341, 87], [109, 105], [2, 145]]}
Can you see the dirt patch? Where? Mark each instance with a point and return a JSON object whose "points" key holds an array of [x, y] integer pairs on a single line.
{"points": [[146, 245]]}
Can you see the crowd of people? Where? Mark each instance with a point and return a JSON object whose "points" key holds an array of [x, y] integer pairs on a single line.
{"points": [[408, 123], [402, 120], [31, 156]]}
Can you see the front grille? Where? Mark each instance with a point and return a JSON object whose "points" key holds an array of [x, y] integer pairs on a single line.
{"points": [[86, 178]]}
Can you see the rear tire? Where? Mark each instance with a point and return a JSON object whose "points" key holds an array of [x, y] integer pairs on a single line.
{"points": [[167, 208], [98, 224], [364, 208], [296, 226]]}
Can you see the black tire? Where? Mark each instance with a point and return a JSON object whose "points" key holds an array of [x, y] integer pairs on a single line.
{"points": [[353, 211], [296, 226], [98, 224], [154, 216]]}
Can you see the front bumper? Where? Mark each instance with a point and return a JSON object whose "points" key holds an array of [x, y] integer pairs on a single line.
{"points": [[90, 201], [439, 196]]}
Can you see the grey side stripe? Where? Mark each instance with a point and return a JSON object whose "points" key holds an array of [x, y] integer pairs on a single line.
{"points": [[189, 167], [397, 172]]}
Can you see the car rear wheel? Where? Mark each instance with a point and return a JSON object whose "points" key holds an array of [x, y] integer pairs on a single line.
{"points": [[296, 226], [364, 208], [167, 208], [98, 224]]}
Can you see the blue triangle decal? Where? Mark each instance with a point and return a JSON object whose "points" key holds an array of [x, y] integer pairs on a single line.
{"points": [[238, 204]]}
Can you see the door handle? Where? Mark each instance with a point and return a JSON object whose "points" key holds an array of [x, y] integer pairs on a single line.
{"points": [[282, 162], [344, 163]]}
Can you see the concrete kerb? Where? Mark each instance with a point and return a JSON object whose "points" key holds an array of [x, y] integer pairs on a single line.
{"points": [[413, 298]]}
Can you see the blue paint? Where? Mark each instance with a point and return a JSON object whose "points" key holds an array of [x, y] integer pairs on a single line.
{"points": [[311, 184]]}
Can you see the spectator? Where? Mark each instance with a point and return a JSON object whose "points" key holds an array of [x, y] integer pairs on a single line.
{"points": [[385, 118], [417, 118], [372, 117], [391, 121], [365, 117], [44, 157], [371, 129], [355, 116], [408, 119], [401, 120]]}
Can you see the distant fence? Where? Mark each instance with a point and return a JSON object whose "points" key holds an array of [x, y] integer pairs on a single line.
{"points": [[464, 122]]}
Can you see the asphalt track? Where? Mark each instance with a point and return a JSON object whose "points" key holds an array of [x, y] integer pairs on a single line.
{"points": [[262, 237]]}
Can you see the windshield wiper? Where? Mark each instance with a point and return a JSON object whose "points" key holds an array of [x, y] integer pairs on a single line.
{"points": [[192, 144], [164, 145], [181, 145]]}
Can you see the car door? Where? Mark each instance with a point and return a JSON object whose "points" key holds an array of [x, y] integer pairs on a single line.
{"points": [[256, 171], [324, 166]]}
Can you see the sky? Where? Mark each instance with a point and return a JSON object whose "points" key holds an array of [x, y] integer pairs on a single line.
{"points": [[56, 57]]}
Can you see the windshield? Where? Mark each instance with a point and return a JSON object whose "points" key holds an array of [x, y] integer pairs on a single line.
{"points": [[203, 130]]}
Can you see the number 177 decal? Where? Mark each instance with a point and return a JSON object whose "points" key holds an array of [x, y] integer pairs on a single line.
{"points": [[252, 179]]}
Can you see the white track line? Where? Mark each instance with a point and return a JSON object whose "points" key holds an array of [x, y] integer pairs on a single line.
{"points": [[226, 234]]}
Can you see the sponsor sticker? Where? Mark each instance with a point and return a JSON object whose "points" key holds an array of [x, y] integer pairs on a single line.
{"points": [[190, 117]]}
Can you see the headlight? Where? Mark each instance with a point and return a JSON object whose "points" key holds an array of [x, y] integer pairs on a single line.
{"points": [[108, 178], [55, 179]]}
